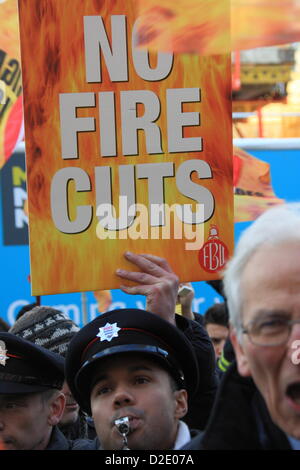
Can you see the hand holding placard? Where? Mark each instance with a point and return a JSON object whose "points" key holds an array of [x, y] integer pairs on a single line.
{"points": [[157, 282]]}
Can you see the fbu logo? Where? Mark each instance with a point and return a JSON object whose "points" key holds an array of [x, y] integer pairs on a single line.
{"points": [[214, 253]]}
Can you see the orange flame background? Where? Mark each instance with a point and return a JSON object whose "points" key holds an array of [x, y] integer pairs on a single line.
{"points": [[204, 26], [52, 47]]}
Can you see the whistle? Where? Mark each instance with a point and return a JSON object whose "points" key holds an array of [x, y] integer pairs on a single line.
{"points": [[123, 426]]}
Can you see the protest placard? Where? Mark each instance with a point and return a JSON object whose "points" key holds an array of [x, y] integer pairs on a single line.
{"points": [[125, 150]]}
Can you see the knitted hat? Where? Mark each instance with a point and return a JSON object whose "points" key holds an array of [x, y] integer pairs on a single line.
{"points": [[47, 327]]}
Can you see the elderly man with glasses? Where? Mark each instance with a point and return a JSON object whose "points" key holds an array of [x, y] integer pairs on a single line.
{"points": [[258, 403]]}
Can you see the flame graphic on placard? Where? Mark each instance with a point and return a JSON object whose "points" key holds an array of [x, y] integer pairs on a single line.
{"points": [[203, 26], [52, 45], [197, 26]]}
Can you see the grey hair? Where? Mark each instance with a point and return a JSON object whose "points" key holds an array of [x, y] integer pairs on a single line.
{"points": [[277, 225]]}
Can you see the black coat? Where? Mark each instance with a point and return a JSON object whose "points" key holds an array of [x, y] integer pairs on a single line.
{"points": [[200, 406], [240, 419], [58, 441], [84, 444]]}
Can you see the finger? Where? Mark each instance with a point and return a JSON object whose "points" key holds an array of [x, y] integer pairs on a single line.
{"points": [[146, 265], [141, 278], [159, 261], [135, 290]]}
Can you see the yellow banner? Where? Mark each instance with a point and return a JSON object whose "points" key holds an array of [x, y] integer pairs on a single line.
{"points": [[11, 110], [125, 150], [202, 25]]}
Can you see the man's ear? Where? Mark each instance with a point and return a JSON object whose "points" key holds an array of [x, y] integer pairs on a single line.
{"points": [[56, 408], [181, 405], [241, 358]]}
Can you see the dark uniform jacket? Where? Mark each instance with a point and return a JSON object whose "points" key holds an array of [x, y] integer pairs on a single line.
{"points": [[58, 441], [85, 444], [239, 420]]}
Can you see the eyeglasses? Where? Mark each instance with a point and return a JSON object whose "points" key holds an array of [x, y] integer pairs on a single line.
{"points": [[270, 332]]}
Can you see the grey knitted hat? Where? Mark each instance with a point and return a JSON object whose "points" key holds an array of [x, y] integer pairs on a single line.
{"points": [[46, 327]]}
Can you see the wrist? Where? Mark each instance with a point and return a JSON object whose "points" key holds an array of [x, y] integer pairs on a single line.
{"points": [[187, 312]]}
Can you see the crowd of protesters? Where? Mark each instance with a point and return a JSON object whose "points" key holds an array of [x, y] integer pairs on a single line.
{"points": [[154, 379]]}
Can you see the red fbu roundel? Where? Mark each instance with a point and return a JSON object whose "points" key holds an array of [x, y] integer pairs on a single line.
{"points": [[214, 253]]}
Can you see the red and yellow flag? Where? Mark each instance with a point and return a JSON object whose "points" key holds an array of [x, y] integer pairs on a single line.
{"points": [[104, 299], [11, 109], [253, 192], [201, 25]]}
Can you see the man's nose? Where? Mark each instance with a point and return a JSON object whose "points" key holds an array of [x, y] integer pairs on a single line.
{"points": [[123, 397], [218, 350]]}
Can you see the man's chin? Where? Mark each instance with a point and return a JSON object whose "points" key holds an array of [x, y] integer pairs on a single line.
{"points": [[292, 429], [289, 424], [134, 442]]}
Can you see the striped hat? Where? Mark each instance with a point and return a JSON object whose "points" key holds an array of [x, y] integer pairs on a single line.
{"points": [[47, 327]]}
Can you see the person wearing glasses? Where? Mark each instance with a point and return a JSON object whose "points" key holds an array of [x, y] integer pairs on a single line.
{"points": [[258, 403]]}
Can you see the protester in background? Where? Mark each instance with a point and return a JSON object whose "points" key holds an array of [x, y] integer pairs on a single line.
{"points": [[259, 407], [51, 329], [159, 284], [31, 401], [132, 364], [227, 356], [215, 319], [226, 359], [216, 322]]}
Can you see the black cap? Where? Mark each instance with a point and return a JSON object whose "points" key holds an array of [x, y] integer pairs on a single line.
{"points": [[126, 331], [28, 368]]}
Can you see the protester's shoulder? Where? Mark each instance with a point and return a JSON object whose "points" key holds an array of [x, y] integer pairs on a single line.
{"points": [[91, 431], [192, 328], [198, 318], [85, 444], [198, 337], [58, 441], [195, 442]]}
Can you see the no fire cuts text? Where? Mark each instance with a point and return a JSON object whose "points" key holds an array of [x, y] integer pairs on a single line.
{"points": [[115, 56]]}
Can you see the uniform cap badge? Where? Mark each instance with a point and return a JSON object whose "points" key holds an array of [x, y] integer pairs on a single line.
{"points": [[108, 332], [3, 351]]}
